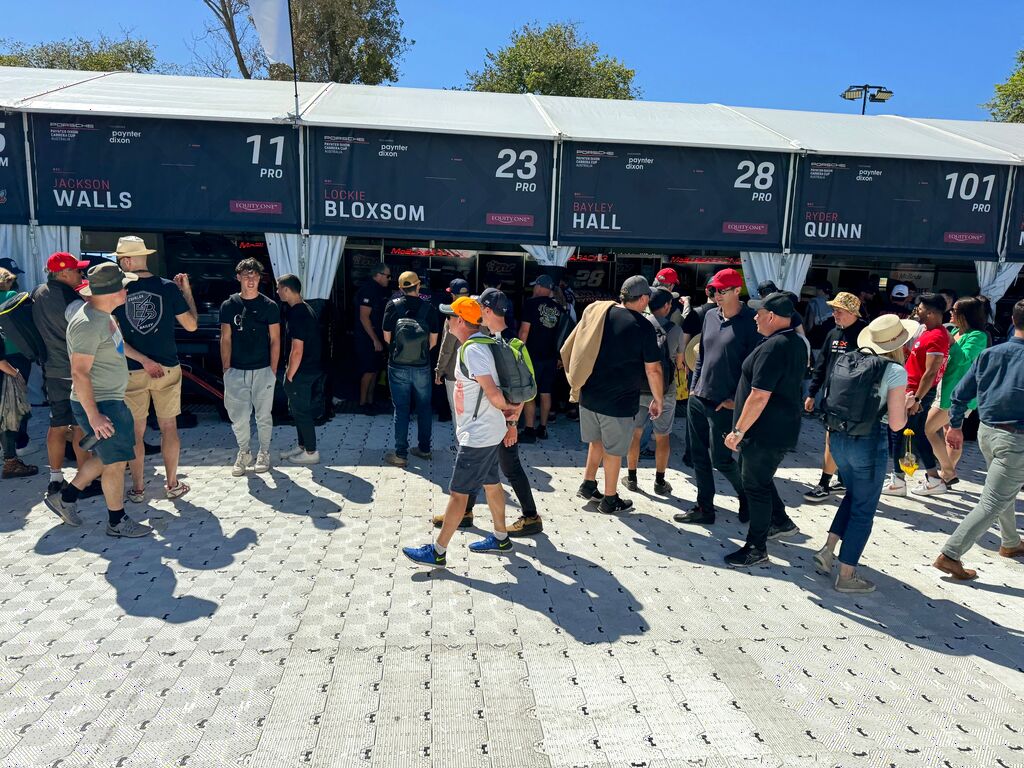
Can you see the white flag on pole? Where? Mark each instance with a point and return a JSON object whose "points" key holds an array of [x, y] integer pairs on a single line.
{"points": [[274, 27]]}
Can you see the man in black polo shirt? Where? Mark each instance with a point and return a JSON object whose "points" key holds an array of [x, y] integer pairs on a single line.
{"points": [[768, 415], [302, 369], [370, 301], [727, 337], [539, 331]]}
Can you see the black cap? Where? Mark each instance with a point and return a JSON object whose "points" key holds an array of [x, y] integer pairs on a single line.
{"points": [[779, 302], [494, 300], [11, 266], [544, 281], [660, 297]]}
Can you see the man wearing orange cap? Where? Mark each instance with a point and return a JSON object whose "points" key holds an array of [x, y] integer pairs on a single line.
{"points": [[482, 423]]}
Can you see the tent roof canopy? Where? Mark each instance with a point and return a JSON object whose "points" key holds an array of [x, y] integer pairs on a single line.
{"points": [[513, 115]]}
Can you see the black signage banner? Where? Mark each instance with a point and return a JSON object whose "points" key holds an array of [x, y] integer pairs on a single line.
{"points": [[1015, 234], [123, 172], [392, 183], [13, 177], [858, 204], [625, 194]]}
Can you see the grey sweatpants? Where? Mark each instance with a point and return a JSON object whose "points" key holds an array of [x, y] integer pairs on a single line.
{"points": [[244, 393], [1004, 455]]}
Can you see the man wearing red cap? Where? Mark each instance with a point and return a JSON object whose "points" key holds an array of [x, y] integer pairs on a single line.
{"points": [[668, 278], [728, 335], [50, 303]]}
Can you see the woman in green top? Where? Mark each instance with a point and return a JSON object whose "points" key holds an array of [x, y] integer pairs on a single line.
{"points": [[970, 339]]}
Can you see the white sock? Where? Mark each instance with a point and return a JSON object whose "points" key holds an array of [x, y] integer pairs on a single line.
{"points": [[439, 549], [501, 536], [56, 475]]}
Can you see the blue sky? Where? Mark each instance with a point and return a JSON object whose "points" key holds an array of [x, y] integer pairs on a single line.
{"points": [[940, 57]]}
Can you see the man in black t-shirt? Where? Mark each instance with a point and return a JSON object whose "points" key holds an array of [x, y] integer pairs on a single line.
{"points": [[411, 327], [539, 331], [370, 300], [303, 369], [767, 423], [608, 400], [147, 321], [250, 350]]}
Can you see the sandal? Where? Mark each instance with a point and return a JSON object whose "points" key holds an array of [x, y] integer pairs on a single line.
{"points": [[136, 496], [177, 491]]}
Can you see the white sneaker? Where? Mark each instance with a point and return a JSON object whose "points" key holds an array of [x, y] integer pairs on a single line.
{"points": [[242, 464], [262, 462], [929, 486], [305, 457], [292, 452], [895, 486]]}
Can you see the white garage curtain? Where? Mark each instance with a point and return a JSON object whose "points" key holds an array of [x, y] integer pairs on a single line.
{"points": [[787, 270], [550, 257], [995, 279], [323, 254], [30, 247]]}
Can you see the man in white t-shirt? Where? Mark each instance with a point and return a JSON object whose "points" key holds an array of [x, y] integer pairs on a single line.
{"points": [[482, 418]]}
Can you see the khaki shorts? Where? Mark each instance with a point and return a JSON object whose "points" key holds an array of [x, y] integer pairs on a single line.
{"points": [[164, 392]]}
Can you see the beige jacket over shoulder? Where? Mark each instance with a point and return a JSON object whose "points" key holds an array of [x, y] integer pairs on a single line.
{"points": [[579, 353], [446, 355]]}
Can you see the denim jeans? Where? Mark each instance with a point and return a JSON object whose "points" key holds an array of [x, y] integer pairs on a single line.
{"points": [[707, 429], [409, 383], [757, 469], [1004, 457], [246, 392], [862, 462], [300, 405]]}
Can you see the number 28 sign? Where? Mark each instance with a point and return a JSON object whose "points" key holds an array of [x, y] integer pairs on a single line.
{"points": [[430, 185], [671, 196]]}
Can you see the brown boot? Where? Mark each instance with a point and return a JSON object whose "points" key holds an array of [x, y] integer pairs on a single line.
{"points": [[1017, 551], [954, 568], [17, 468]]}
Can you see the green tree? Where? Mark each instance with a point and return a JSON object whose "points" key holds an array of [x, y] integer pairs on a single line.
{"points": [[554, 61], [1007, 105], [343, 41], [103, 54]]}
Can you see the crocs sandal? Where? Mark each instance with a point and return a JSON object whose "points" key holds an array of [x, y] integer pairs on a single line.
{"points": [[136, 497], [177, 491]]}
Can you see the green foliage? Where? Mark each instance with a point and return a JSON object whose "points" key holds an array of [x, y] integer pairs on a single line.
{"points": [[554, 61], [1007, 105], [102, 54]]}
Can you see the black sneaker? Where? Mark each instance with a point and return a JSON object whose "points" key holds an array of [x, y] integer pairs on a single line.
{"points": [[746, 556], [91, 490], [542, 432], [816, 495], [573, 414], [630, 484], [695, 516], [662, 488], [528, 435], [837, 485], [56, 486], [613, 505], [588, 491], [783, 531]]}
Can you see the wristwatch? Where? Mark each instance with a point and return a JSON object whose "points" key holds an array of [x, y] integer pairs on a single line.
{"points": [[739, 433], [511, 423]]}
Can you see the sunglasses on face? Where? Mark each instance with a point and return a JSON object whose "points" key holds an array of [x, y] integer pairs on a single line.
{"points": [[720, 291]]}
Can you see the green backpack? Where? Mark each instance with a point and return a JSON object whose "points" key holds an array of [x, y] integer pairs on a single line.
{"points": [[515, 369]]}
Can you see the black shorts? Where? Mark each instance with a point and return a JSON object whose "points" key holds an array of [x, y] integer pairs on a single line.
{"points": [[58, 394], [544, 372], [368, 360], [474, 467]]}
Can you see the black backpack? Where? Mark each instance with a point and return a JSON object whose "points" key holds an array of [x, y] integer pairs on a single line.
{"points": [[17, 325], [852, 402], [668, 365], [410, 343]]}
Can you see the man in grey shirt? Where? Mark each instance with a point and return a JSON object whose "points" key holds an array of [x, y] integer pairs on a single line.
{"points": [[670, 342]]}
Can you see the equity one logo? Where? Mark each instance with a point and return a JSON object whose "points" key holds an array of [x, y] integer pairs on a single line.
{"points": [[255, 206], [964, 238]]}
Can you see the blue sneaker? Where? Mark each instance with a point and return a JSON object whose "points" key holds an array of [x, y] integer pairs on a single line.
{"points": [[491, 543], [425, 555]]}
